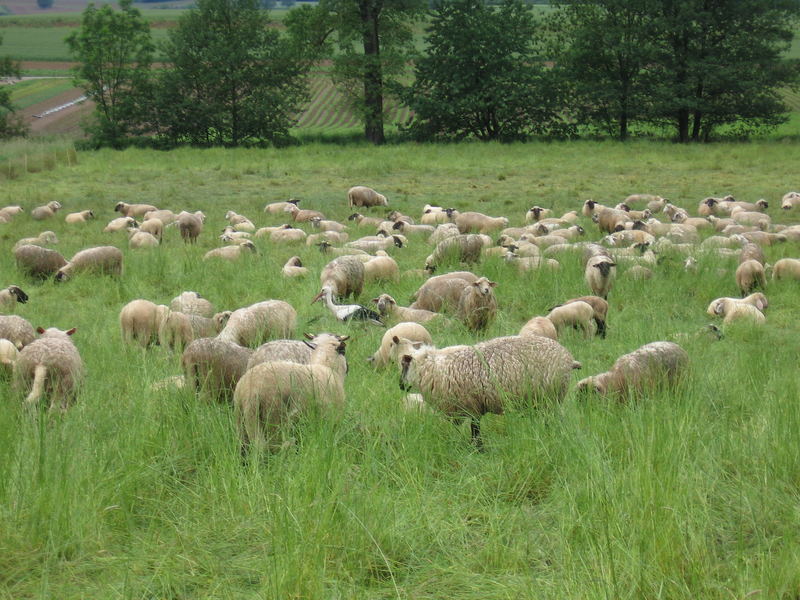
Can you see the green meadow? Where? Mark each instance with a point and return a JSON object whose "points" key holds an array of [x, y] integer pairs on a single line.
{"points": [[137, 493]]}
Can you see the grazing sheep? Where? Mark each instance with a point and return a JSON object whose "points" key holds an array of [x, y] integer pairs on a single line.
{"points": [[468, 222], [140, 321], [599, 308], [10, 297], [344, 276], [154, 227], [79, 217], [274, 393], [610, 220], [751, 252], [255, 324], [294, 268], [190, 225], [177, 329], [570, 233], [276, 208], [192, 303], [653, 365], [16, 330], [750, 275], [387, 306], [786, 268], [43, 239], [37, 261], [142, 239], [8, 356], [214, 366], [541, 326], [638, 273], [409, 229], [381, 268], [120, 224], [763, 238], [461, 248], [387, 352], [442, 291], [232, 253], [577, 314], [101, 259], [40, 213], [50, 366], [360, 195], [470, 381], [167, 217], [477, 304], [134, 210], [599, 274]]}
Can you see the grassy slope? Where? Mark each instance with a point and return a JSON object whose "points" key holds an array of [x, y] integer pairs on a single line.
{"points": [[135, 493]]}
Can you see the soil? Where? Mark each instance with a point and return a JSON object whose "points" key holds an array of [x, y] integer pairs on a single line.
{"points": [[66, 121]]}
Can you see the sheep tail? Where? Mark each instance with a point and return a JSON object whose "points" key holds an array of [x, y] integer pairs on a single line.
{"points": [[39, 379]]}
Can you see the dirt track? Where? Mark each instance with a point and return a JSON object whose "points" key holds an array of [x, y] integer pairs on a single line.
{"points": [[66, 121]]}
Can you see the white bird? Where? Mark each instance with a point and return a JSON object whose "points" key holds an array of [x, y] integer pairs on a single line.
{"points": [[347, 312]]}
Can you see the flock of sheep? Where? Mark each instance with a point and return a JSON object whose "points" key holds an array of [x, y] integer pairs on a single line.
{"points": [[248, 357]]}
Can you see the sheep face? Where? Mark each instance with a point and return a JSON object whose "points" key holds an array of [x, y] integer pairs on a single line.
{"points": [[21, 296], [484, 286]]}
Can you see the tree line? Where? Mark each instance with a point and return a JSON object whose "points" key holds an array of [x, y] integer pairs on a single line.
{"points": [[489, 72]]}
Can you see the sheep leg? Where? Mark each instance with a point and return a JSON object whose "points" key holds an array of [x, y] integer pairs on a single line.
{"points": [[601, 328], [475, 431]]}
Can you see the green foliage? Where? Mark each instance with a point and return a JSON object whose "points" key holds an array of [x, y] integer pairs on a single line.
{"points": [[231, 78], [44, 4], [10, 126], [482, 76], [115, 50]]}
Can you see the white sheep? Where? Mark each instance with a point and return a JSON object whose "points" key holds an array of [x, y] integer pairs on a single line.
{"points": [[239, 222], [360, 195], [303, 215], [142, 239], [387, 306], [599, 274], [288, 235], [786, 268], [255, 324], [750, 275], [541, 326], [134, 210], [8, 357], [7, 212], [344, 276], [469, 222], [140, 320], [120, 224], [375, 243], [79, 217], [10, 297], [16, 330], [100, 259], [40, 213], [332, 237], [464, 248], [177, 329], [154, 227], [574, 314], [442, 291], [214, 366], [294, 268], [192, 303], [190, 225], [720, 306], [387, 351], [442, 232], [790, 200], [477, 304], [232, 253], [167, 217], [43, 239], [381, 268], [741, 311], [279, 207]]}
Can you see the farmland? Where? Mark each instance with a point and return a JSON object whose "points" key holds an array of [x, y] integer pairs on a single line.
{"points": [[139, 493]]}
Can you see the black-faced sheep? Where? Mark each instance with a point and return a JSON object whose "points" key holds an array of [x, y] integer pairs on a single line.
{"points": [[10, 297], [600, 273]]}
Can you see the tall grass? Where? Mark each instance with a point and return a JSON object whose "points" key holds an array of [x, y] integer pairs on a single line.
{"points": [[138, 493]]}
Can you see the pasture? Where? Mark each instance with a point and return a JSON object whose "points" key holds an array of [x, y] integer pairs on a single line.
{"points": [[136, 493]]}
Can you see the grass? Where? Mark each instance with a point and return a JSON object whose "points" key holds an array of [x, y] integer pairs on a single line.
{"points": [[141, 494], [33, 91]]}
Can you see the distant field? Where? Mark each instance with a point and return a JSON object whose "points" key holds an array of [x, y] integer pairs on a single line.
{"points": [[34, 91]]}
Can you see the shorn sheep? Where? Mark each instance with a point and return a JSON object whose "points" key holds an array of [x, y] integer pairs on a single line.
{"points": [[442, 291], [600, 273], [388, 307], [387, 352], [578, 315], [470, 381], [658, 364], [477, 304], [750, 275], [255, 324], [214, 366], [139, 321], [344, 276], [38, 262], [364, 196], [461, 248], [8, 357], [40, 213], [50, 366], [10, 297], [786, 268], [272, 394], [16, 330], [101, 259], [192, 303], [541, 326]]}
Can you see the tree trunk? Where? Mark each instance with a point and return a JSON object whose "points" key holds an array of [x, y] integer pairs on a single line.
{"points": [[697, 120], [683, 125], [373, 76]]}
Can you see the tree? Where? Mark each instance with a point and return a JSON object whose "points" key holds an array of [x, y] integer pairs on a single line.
{"points": [[114, 49], [44, 4], [370, 43], [482, 75], [231, 78], [9, 125]]}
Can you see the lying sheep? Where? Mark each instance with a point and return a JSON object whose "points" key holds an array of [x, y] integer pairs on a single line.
{"points": [[332, 237], [303, 215], [101, 259], [177, 329], [363, 221], [232, 253], [537, 213], [167, 217], [40, 213], [360, 195], [45, 238], [470, 381], [16, 330], [461, 248], [134, 210], [79, 217], [750, 275], [541, 326], [387, 352], [280, 207], [576, 315], [142, 239], [288, 235], [653, 365], [477, 304], [375, 243], [8, 357], [7, 212], [786, 268], [190, 225], [154, 227], [469, 222], [381, 268], [387, 307], [192, 303], [255, 324], [442, 291], [345, 276], [120, 224], [239, 222], [214, 366], [734, 309], [790, 200], [745, 217], [590, 208], [720, 306], [139, 321], [599, 274], [294, 268], [50, 366], [10, 297], [327, 225], [38, 262]]}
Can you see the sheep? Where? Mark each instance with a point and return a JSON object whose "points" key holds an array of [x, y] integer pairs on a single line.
{"points": [[325, 247], [288, 235], [442, 291], [590, 207], [653, 365], [750, 275], [10, 297], [231, 253], [40, 213], [751, 252], [788, 202], [577, 314], [470, 381], [477, 304], [140, 320], [273, 393], [671, 211], [239, 222], [43, 239], [763, 238], [610, 220], [468, 222], [759, 206], [599, 274], [214, 366], [303, 215], [79, 217], [744, 312], [325, 225], [8, 356], [387, 306], [744, 217], [167, 217], [280, 207], [134, 210], [461, 248], [345, 276], [629, 237], [641, 198], [360, 195], [541, 326], [100, 259], [49, 366], [387, 351], [721, 306], [381, 268], [142, 239], [537, 213], [363, 221], [267, 231], [332, 237], [294, 268], [435, 215], [37, 261], [599, 308], [177, 329], [373, 243], [7, 212], [570, 233], [154, 227], [16, 330], [120, 224], [786, 268], [255, 324], [409, 229], [190, 225], [531, 263], [442, 232], [192, 303]]}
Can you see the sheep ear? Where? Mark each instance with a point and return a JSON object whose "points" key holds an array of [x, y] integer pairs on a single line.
{"points": [[374, 300], [308, 336], [396, 339], [71, 331], [342, 338], [40, 330], [492, 284]]}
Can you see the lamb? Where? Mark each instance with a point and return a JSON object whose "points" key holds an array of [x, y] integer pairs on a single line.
{"points": [[468, 222], [599, 274], [477, 304], [255, 324], [16, 330], [190, 225], [232, 253], [442, 291], [40, 213], [381, 268], [654, 365], [50, 366], [8, 357], [37, 261], [273, 393], [79, 217], [294, 268], [786, 268], [192, 303], [387, 352], [750, 275], [140, 320], [142, 239], [599, 308], [470, 381], [43, 239], [214, 366], [10, 297], [134, 210], [461, 248], [541, 326], [360, 195], [154, 227], [177, 329], [100, 259], [577, 314], [275, 208], [345, 276], [387, 306], [167, 217]]}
